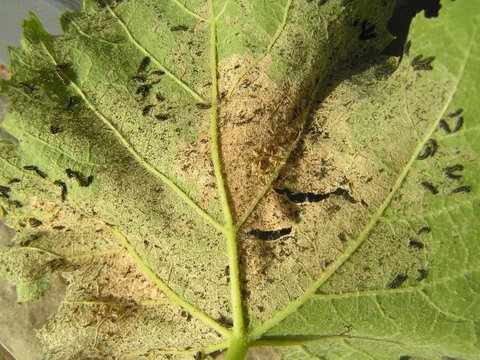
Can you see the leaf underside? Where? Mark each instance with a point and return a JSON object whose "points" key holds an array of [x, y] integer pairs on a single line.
{"points": [[201, 172]]}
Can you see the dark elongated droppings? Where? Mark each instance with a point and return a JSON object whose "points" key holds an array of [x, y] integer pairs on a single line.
{"points": [[203, 106], [465, 189], [64, 188], [158, 72], [27, 87], [301, 197], [146, 110], [30, 167], [345, 194], [36, 169], [162, 117], [5, 191], [405, 357], [397, 281], [34, 222], [144, 64], [144, 90], [139, 78], [270, 234], [41, 173], [55, 129], [14, 180], [415, 244], [58, 227], [225, 321], [82, 180], [312, 197], [424, 67], [422, 273], [429, 150], [454, 168], [444, 126], [423, 230], [416, 59], [452, 176], [455, 113], [179, 28], [451, 170], [458, 124], [426, 61], [420, 63], [430, 187], [368, 31], [15, 203]]}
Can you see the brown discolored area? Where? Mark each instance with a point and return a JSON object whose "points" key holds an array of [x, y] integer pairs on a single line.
{"points": [[340, 149], [111, 278], [194, 164], [257, 125]]}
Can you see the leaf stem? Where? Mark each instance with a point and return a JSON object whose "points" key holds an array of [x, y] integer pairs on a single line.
{"points": [[230, 229], [237, 349]]}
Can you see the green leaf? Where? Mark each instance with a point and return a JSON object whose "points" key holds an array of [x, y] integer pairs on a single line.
{"points": [[229, 174]]}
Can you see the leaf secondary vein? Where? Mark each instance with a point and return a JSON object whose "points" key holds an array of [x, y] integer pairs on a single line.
{"points": [[120, 304], [70, 257], [193, 93], [351, 248], [60, 151], [279, 167], [301, 340], [446, 313], [279, 31], [152, 275], [149, 167], [141, 262], [188, 11]]}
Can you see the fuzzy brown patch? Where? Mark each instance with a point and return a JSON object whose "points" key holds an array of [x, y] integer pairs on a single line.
{"points": [[257, 125]]}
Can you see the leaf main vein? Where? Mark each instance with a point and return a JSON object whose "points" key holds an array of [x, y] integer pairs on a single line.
{"points": [[230, 230]]}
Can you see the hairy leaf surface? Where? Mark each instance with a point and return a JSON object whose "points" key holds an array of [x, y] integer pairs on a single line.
{"points": [[224, 174]]}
